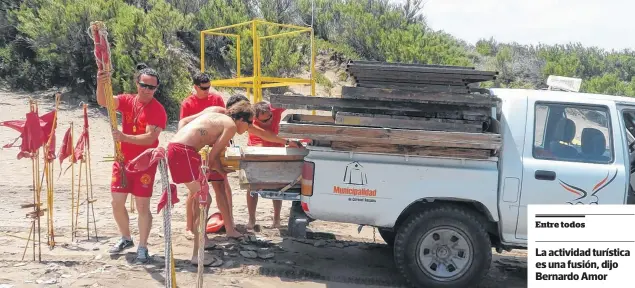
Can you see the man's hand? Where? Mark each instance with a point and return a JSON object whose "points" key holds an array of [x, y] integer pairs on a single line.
{"points": [[216, 165], [294, 144], [119, 136], [102, 76]]}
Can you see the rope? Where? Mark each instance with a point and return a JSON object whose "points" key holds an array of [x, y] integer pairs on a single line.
{"points": [[99, 35], [170, 271], [202, 216]]}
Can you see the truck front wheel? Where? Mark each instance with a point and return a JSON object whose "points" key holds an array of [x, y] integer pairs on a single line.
{"points": [[444, 246]]}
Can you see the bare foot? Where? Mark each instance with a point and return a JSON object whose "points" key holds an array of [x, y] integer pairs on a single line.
{"points": [[250, 225], [276, 224], [234, 234], [206, 262]]}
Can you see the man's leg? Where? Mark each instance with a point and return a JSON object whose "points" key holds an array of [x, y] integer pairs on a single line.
{"points": [[119, 212], [193, 206], [252, 201], [145, 225], [277, 206], [221, 202], [230, 204]]}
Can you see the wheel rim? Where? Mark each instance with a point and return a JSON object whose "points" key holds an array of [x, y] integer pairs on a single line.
{"points": [[444, 253]]}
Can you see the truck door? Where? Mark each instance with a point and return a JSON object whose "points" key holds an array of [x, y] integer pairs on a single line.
{"points": [[572, 155]]}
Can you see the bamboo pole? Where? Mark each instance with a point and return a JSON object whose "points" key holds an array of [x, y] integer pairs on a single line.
{"points": [[72, 186]]}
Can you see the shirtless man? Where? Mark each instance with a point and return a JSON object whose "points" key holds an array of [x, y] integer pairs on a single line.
{"points": [[184, 160], [253, 130]]}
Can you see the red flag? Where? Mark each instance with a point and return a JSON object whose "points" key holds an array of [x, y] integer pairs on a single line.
{"points": [[146, 159], [67, 147], [84, 140], [32, 131], [101, 48], [164, 198], [49, 131]]}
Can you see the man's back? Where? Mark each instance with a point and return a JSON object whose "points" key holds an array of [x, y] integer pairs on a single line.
{"points": [[203, 130]]}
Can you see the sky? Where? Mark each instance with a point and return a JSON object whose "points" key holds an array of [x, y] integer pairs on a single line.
{"points": [[608, 24]]}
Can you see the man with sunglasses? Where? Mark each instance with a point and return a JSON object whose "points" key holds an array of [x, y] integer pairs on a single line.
{"points": [[268, 119], [184, 161], [143, 119], [199, 100]]}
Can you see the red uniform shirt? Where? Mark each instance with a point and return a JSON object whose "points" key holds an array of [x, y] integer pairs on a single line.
{"points": [[136, 116], [273, 126], [192, 105]]}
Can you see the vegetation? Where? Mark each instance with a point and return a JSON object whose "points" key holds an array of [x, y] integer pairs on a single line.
{"points": [[45, 43]]}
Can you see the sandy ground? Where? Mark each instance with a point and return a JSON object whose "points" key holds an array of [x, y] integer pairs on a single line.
{"points": [[334, 256]]}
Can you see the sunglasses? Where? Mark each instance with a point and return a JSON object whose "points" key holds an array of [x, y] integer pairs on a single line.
{"points": [[204, 88], [266, 120], [147, 86]]}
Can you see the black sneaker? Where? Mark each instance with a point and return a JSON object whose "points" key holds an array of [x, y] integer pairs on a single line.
{"points": [[143, 256], [123, 244]]}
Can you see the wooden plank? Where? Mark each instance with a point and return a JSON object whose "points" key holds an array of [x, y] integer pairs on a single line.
{"points": [[267, 154], [269, 172], [421, 69], [404, 122], [412, 150], [390, 136], [427, 87], [405, 75], [328, 103], [473, 100], [310, 118], [370, 62]]}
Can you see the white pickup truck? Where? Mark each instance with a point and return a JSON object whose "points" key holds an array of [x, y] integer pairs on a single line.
{"points": [[444, 215]]}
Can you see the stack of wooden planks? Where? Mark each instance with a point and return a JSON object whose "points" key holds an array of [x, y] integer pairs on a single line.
{"points": [[430, 78], [267, 167], [418, 118]]}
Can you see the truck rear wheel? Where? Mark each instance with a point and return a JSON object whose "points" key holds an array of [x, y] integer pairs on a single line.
{"points": [[444, 246]]}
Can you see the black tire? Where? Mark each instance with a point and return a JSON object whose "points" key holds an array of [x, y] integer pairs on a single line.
{"points": [[388, 236], [457, 222]]}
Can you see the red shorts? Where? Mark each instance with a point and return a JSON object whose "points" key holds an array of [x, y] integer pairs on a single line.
{"points": [[138, 183], [184, 163]]}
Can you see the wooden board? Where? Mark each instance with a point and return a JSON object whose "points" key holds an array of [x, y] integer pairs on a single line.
{"points": [[413, 150], [266, 154], [471, 100], [309, 118], [269, 172], [390, 136], [368, 106], [384, 67], [404, 122]]}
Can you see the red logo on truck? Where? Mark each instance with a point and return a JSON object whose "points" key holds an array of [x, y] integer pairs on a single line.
{"points": [[584, 196]]}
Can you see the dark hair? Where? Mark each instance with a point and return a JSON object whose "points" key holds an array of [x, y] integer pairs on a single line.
{"points": [[262, 107], [200, 78], [235, 99], [241, 111], [143, 69]]}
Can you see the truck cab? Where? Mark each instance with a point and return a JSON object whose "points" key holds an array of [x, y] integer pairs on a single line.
{"points": [[559, 147]]}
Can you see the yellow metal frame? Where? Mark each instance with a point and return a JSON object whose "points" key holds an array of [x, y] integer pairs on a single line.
{"points": [[255, 83]]}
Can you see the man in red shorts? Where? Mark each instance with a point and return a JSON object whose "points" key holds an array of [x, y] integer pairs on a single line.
{"points": [[143, 120], [267, 118], [184, 160], [198, 101]]}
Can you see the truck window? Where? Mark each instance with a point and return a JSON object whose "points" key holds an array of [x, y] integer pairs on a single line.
{"points": [[567, 132]]}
